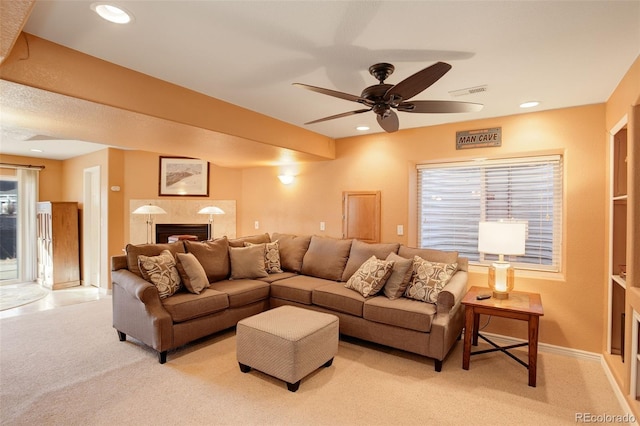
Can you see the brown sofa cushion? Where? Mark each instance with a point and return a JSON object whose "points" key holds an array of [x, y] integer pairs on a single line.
{"points": [[161, 271], [255, 239], [326, 258], [133, 251], [247, 262], [298, 288], [402, 312], [292, 249], [361, 251], [186, 306], [213, 256], [271, 256], [191, 272], [243, 292], [338, 298], [400, 275], [431, 255]]}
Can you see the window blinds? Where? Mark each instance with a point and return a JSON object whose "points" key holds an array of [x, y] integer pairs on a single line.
{"points": [[454, 197]]}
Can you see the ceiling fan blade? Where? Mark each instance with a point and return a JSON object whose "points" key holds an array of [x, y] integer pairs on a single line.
{"points": [[439, 107], [330, 92], [390, 123], [344, 114], [416, 83]]}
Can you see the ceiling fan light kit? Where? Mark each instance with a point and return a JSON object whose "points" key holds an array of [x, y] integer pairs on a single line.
{"points": [[383, 98]]}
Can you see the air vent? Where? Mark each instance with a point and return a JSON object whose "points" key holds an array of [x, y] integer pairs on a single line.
{"points": [[469, 91]]}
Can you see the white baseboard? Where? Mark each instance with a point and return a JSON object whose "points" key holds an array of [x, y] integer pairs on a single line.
{"points": [[574, 353]]}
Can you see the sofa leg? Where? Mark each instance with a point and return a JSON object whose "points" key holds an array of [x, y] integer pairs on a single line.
{"points": [[438, 365], [328, 363], [244, 368], [162, 357], [121, 336]]}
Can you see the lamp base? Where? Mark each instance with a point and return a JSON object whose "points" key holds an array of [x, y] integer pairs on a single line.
{"points": [[500, 296]]}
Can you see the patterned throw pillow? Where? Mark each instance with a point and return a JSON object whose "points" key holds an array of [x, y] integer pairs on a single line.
{"points": [[271, 256], [371, 276], [160, 271], [428, 279]]}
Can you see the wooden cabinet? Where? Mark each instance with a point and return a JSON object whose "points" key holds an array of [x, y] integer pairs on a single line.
{"points": [[58, 245]]}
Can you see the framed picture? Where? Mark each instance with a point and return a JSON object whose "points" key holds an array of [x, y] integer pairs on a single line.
{"points": [[183, 176]]}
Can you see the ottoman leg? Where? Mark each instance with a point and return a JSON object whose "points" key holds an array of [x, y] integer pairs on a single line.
{"points": [[293, 386], [244, 368], [328, 363]]}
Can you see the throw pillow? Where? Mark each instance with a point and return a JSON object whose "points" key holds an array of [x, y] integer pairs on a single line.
{"points": [[271, 256], [361, 251], [191, 272], [428, 279], [371, 276], [400, 276], [160, 271], [247, 262]]}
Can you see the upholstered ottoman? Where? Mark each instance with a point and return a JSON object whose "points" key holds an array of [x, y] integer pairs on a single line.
{"points": [[287, 343]]}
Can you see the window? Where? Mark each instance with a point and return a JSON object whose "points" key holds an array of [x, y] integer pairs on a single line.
{"points": [[454, 197]]}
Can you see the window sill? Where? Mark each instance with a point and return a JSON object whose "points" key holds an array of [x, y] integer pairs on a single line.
{"points": [[523, 273]]}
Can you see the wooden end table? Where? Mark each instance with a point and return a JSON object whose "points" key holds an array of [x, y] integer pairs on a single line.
{"points": [[520, 306]]}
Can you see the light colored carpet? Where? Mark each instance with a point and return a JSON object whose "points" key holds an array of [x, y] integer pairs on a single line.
{"points": [[66, 366], [12, 296]]}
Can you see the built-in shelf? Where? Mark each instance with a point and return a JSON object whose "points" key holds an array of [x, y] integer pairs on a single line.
{"points": [[617, 303], [620, 281]]}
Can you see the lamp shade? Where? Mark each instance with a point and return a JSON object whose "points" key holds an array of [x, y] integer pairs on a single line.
{"points": [[502, 238], [149, 209], [211, 210]]}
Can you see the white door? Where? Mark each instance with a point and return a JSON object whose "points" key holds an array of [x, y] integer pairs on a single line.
{"points": [[91, 223]]}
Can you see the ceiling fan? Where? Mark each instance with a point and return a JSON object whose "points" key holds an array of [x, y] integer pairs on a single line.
{"points": [[381, 98]]}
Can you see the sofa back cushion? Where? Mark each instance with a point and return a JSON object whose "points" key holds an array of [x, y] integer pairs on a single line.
{"points": [[133, 251], [254, 239], [213, 256], [247, 262], [361, 251], [292, 249], [326, 258], [192, 274], [432, 255]]}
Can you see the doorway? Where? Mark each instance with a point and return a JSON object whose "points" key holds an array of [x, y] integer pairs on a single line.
{"points": [[91, 227]]}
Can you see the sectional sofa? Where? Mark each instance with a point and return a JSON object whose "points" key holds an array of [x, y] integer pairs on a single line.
{"points": [[376, 290]]}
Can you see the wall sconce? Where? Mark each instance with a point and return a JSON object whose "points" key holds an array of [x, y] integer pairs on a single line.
{"points": [[286, 179], [211, 210], [501, 238], [149, 209]]}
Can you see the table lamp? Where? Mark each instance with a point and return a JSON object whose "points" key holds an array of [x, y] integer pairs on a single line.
{"points": [[501, 238], [211, 210], [149, 209]]}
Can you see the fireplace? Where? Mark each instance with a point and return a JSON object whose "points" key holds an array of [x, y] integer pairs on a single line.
{"points": [[165, 230]]}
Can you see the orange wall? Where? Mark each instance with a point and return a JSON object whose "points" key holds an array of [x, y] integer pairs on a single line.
{"points": [[386, 162], [49, 187]]}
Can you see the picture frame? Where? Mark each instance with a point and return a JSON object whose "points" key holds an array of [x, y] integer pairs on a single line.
{"points": [[184, 177]]}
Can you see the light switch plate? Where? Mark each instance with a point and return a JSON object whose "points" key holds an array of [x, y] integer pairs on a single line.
{"points": [[256, 224], [400, 230]]}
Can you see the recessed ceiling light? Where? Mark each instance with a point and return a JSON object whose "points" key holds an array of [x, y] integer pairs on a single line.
{"points": [[530, 104], [362, 128], [112, 13]]}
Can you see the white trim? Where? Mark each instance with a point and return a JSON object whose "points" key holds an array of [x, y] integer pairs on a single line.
{"points": [[572, 353]]}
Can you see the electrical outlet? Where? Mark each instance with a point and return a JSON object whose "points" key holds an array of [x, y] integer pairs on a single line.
{"points": [[256, 224], [322, 226], [400, 230]]}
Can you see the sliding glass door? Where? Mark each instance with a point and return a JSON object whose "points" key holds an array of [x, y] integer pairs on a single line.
{"points": [[8, 226]]}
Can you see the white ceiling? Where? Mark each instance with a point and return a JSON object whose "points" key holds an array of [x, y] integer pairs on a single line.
{"points": [[561, 53]]}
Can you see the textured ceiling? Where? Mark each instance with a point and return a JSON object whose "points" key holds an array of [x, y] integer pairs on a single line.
{"points": [[561, 53]]}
